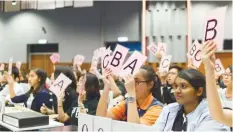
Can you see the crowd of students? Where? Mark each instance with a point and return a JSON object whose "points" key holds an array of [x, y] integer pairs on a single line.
{"points": [[177, 100]]}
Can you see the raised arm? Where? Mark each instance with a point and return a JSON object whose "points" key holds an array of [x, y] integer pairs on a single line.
{"points": [[103, 102], [214, 103]]}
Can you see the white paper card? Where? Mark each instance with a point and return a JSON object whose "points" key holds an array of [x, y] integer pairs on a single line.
{"points": [[60, 84], [10, 66], [219, 69], [118, 58], [85, 123], [165, 63], [102, 124], [135, 61], [214, 26]]}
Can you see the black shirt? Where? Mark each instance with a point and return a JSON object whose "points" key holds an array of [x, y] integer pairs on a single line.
{"points": [[168, 96], [91, 105], [70, 96]]}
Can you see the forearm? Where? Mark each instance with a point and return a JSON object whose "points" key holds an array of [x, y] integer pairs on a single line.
{"points": [[50, 112], [116, 91], [215, 106], [103, 104], [61, 113], [11, 90], [132, 113]]}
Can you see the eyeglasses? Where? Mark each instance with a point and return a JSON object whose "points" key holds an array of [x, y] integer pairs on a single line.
{"points": [[172, 73], [138, 82], [227, 74]]}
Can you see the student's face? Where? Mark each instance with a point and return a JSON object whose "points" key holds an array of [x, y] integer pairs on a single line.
{"points": [[142, 86], [33, 79], [227, 78], [172, 74], [185, 93]]}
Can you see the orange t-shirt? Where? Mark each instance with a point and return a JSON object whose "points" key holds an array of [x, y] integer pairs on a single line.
{"points": [[148, 118]]}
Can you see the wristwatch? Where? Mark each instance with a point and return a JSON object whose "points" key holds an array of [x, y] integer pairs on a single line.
{"points": [[131, 99]]}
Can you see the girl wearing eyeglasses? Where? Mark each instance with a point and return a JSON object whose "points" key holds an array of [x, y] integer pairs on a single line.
{"points": [[140, 106]]}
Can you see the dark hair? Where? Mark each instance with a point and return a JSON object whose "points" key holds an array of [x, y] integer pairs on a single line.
{"points": [[195, 78], [92, 86], [42, 75], [178, 68], [67, 71], [152, 76], [15, 72]]}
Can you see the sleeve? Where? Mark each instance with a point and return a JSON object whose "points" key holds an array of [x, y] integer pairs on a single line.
{"points": [[92, 107], [55, 103], [119, 111], [19, 99], [160, 123], [211, 125], [151, 115], [19, 90], [167, 96], [4, 92], [69, 111]]}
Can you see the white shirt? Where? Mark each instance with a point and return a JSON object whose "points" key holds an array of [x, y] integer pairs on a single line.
{"points": [[226, 102], [19, 90]]}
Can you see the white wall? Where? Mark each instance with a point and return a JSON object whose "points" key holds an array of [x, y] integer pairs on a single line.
{"points": [[199, 12], [77, 30], [163, 20]]}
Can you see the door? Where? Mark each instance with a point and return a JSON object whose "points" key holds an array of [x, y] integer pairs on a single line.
{"points": [[41, 61]]}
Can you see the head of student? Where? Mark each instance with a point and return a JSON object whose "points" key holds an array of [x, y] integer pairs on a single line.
{"points": [[145, 82], [172, 74], [36, 79], [190, 87], [227, 77], [67, 71], [15, 73], [91, 86]]}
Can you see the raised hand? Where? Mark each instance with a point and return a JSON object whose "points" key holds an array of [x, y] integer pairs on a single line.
{"points": [[130, 85], [208, 56], [44, 109]]}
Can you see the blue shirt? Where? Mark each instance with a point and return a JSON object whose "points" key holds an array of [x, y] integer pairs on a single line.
{"points": [[42, 97]]}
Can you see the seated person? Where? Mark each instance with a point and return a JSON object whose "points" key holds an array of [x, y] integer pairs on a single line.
{"points": [[70, 92], [167, 81], [226, 93], [191, 112], [86, 103], [38, 95], [140, 106], [217, 100], [18, 89]]}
